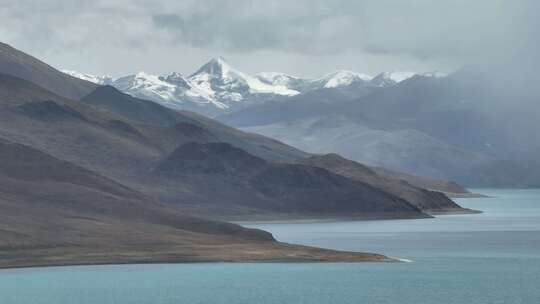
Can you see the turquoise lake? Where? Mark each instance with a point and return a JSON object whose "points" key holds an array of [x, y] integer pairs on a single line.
{"points": [[492, 257]]}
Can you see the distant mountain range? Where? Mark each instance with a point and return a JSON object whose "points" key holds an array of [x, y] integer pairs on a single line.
{"points": [[217, 87], [447, 127]]}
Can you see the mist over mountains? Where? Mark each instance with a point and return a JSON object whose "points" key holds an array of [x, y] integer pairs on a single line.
{"points": [[454, 127], [470, 126]]}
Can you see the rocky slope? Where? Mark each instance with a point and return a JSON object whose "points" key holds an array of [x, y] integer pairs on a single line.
{"points": [[433, 202], [57, 213], [292, 190]]}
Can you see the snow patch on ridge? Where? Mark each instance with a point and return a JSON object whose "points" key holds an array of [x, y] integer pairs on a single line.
{"points": [[343, 78], [276, 78], [102, 80]]}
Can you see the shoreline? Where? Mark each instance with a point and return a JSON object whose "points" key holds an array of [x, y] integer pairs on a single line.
{"points": [[453, 211], [278, 218], [244, 252], [465, 195], [277, 261], [310, 220], [272, 252]]}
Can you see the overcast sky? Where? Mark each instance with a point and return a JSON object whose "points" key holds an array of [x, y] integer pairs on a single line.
{"points": [[301, 37]]}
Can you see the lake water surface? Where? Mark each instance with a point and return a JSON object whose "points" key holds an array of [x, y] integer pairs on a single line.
{"points": [[493, 257]]}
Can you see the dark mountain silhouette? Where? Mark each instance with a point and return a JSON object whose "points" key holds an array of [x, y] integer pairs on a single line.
{"points": [[292, 190], [134, 109], [428, 201]]}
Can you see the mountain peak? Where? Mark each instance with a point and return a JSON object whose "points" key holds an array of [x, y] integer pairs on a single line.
{"points": [[222, 81], [219, 60], [343, 78], [101, 80], [217, 67], [385, 79]]}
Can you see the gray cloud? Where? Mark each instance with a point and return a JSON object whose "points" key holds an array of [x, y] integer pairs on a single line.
{"points": [[304, 36], [253, 25], [418, 28]]}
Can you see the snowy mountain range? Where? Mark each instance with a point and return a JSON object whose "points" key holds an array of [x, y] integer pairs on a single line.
{"points": [[217, 87]]}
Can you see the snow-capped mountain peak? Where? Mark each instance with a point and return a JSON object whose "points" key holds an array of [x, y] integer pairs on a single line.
{"points": [[218, 68], [342, 78], [222, 81], [145, 85], [172, 90], [285, 80], [385, 79], [102, 80]]}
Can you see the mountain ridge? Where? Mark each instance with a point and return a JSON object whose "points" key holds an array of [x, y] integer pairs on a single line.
{"points": [[217, 87], [73, 216]]}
